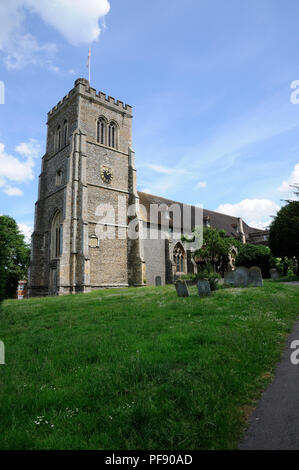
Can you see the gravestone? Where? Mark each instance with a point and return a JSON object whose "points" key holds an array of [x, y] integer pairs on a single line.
{"points": [[255, 277], [274, 274], [158, 281], [182, 289], [229, 278], [241, 277], [203, 287]]}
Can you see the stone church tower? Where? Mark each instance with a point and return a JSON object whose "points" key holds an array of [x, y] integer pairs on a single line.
{"points": [[89, 164]]}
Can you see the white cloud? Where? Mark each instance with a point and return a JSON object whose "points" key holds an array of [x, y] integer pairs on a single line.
{"points": [[260, 225], [26, 231], [164, 170], [13, 169], [25, 50], [255, 212], [12, 191], [30, 149], [232, 140], [293, 179], [145, 190], [201, 185], [76, 20], [17, 169], [54, 68]]}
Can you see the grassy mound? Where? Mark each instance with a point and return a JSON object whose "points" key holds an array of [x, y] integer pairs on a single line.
{"points": [[138, 369]]}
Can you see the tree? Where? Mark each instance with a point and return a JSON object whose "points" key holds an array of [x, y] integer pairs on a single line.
{"points": [[284, 232], [296, 189], [14, 256], [216, 248], [255, 255]]}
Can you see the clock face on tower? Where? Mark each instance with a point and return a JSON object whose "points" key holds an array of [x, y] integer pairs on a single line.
{"points": [[106, 174]]}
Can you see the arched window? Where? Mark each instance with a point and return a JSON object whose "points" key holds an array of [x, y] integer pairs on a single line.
{"points": [[65, 133], [112, 135], [101, 131], [58, 179], [58, 138], [178, 257], [56, 236]]}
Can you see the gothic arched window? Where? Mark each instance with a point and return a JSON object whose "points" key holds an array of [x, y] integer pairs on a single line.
{"points": [[178, 257], [65, 133], [112, 135], [56, 236], [58, 138], [101, 131]]}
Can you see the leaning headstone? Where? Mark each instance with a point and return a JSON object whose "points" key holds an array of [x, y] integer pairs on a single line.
{"points": [[255, 277], [229, 278], [182, 289], [274, 274], [241, 277], [203, 287]]}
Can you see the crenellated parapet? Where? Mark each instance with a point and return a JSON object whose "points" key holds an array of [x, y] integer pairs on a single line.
{"points": [[61, 103], [82, 86]]}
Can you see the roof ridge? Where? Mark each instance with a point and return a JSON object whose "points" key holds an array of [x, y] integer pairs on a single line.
{"points": [[184, 203], [229, 218]]}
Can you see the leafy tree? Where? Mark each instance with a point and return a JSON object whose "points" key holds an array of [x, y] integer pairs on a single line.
{"points": [[285, 266], [14, 256], [216, 248], [296, 190], [255, 255], [284, 232]]}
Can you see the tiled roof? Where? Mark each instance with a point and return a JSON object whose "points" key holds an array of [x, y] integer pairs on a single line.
{"points": [[216, 219]]}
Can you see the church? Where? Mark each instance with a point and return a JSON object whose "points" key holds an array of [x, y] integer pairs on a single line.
{"points": [[92, 228]]}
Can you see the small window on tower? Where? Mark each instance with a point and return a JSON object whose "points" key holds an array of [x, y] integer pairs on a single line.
{"points": [[112, 135], [101, 131], [58, 177], [56, 236], [65, 134], [58, 139]]}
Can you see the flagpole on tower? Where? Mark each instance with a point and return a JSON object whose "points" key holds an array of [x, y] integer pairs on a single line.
{"points": [[88, 64]]}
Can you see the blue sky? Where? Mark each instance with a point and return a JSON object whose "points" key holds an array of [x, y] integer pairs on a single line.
{"points": [[210, 83]]}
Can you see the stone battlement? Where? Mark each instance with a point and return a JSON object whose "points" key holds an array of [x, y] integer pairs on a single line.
{"points": [[82, 86]]}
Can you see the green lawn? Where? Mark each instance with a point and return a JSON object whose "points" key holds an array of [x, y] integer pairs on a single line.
{"points": [[291, 278], [139, 369]]}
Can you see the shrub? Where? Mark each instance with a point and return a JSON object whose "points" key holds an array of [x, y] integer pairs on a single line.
{"points": [[211, 276], [283, 237], [255, 255], [285, 266], [188, 277]]}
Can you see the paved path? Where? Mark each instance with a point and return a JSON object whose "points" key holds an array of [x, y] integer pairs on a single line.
{"points": [[275, 422]]}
